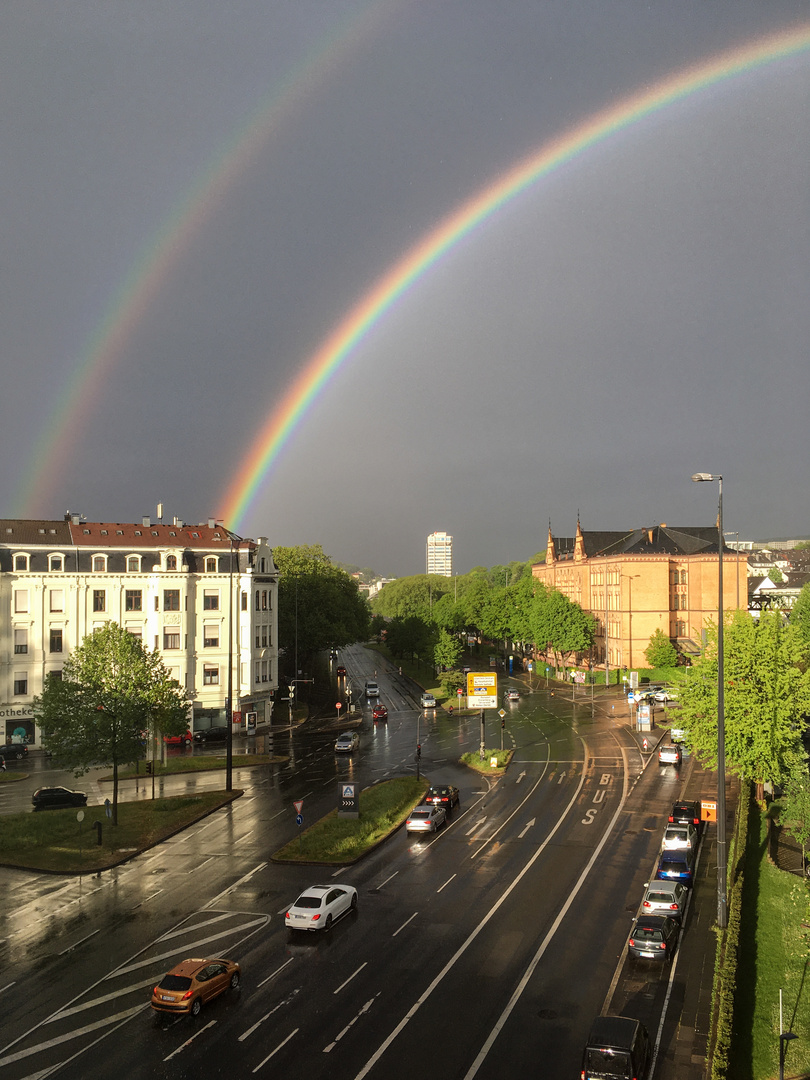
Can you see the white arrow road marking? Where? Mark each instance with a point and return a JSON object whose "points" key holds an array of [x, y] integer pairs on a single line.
{"points": [[526, 829], [476, 826], [520, 777]]}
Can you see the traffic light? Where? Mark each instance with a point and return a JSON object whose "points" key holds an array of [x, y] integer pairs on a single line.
{"points": [[503, 722], [418, 750], [149, 768]]}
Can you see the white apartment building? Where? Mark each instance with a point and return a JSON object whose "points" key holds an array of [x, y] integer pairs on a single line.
{"points": [[439, 554], [178, 587]]}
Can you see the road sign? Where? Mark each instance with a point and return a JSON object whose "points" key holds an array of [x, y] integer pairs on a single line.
{"points": [[338, 705], [299, 819], [460, 692], [299, 806], [348, 800], [482, 690]]}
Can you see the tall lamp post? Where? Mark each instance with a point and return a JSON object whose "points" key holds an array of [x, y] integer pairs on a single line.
{"points": [[229, 699], [722, 902]]}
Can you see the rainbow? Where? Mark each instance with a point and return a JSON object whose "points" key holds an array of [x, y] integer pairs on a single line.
{"points": [[264, 452], [172, 241]]}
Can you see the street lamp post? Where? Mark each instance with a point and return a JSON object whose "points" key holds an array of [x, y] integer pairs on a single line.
{"points": [[229, 699], [722, 902]]}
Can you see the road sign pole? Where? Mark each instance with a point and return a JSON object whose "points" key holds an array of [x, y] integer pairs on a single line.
{"points": [[483, 741]]}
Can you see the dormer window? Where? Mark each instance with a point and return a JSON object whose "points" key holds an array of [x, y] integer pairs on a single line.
{"points": [[21, 562], [56, 563], [133, 564], [99, 564], [171, 562], [211, 564]]}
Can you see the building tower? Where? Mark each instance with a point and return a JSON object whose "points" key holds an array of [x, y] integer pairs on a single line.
{"points": [[439, 554]]}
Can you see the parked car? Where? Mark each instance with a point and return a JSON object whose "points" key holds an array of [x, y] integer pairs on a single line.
{"points": [[188, 986], [427, 701], [372, 689], [426, 819], [665, 898], [669, 754], [380, 713], [686, 813], [178, 740], [618, 1047], [13, 750], [447, 796], [512, 695], [676, 866], [653, 937], [347, 743], [211, 734], [677, 735], [679, 836], [319, 906], [665, 695], [45, 798]]}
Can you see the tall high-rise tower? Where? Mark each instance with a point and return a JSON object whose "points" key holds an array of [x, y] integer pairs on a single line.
{"points": [[439, 554]]}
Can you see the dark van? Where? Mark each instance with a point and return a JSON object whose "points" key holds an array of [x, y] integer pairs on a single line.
{"points": [[618, 1048]]}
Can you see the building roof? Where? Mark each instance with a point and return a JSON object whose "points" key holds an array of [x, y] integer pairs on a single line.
{"points": [[16, 532], [652, 540]]}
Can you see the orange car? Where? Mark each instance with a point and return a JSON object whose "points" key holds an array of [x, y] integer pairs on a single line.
{"points": [[186, 988]]}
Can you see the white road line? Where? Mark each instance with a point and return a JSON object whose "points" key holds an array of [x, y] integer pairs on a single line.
{"points": [[258, 1024], [405, 923], [236, 884], [188, 1042], [516, 811], [274, 1052], [339, 871], [189, 927], [328, 1049], [146, 899], [445, 884], [8, 986], [79, 942], [71, 1035], [269, 977], [100, 1000], [195, 945], [476, 826], [346, 983], [391, 878], [201, 865], [372, 1061]]}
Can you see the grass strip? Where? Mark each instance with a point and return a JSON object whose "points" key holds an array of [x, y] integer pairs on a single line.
{"points": [[55, 841], [485, 766], [383, 808]]}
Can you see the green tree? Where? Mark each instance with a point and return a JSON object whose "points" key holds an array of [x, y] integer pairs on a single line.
{"points": [[795, 815], [414, 595], [447, 650], [561, 624], [661, 653], [318, 603], [410, 636], [112, 690], [378, 625], [776, 575], [765, 694], [800, 618]]}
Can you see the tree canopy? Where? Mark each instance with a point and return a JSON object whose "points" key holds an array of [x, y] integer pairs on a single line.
{"points": [[112, 692], [766, 694], [661, 653], [318, 603]]}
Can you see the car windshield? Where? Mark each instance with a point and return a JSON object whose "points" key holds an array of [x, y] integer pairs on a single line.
{"points": [[175, 983], [660, 897], [420, 814], [645, 933], [608, 1063], [308, 901]]}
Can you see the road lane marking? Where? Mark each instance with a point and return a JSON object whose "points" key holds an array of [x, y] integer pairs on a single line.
{"points": [[375, 1057], [8, 986], [347, 981], [262, 921], [349, 1026], [445, 884], [391, 878], [71, 1035], [188, 1042], [236, 884], [476, 826], [405, 923], [269, 977], [99, 1000], [526, 829], [79, 942], [274, 1052]]}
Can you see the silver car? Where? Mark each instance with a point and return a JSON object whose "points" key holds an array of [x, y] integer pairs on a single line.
{"points": [[426, 819], [347, 743], [665, 898], [679, 836], [669, 754]]}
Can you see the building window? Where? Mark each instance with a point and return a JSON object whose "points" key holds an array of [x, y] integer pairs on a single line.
{"points": [[264, 600], [244, 601], [99, 600], [21, 601], [133, 600], [99, 564], [136, 631], [264, 637], [211, 600], [55, 676], [57, 599], [683, 577], [680, 628], [56, 639], [211, 565], [20, 641], [133, 564], [56, 564], [171, 562], [258, 671], [171, 639], [210, 636], [210, 675], [20, 683], [20, 562], [171, 599], [258, 601]]}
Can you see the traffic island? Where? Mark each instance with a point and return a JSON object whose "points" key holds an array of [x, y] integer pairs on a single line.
{"points": [[493, 763]]}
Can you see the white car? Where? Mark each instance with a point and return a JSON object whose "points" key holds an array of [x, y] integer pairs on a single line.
{"points": [[665, 898], [372, 689], [319, 906], [426, 819], [512, 695], [347, 743], [428, 701], [678, 837], [663, 696]]}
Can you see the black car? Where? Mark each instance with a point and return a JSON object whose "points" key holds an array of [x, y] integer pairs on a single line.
{"points": [[618, 1047], [211, 734], [46, 798], [446, 796], [685, 813], [13, 750], [653, 937]]}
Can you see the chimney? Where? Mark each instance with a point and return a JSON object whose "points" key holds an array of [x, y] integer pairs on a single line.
{"points": [[145, 521], [160, 511]]}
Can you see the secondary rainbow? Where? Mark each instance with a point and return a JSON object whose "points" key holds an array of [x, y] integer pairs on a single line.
{"points": [[264, 451], [165, 250]]}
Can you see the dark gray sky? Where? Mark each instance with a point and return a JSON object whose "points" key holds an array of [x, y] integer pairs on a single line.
{"points": [[638, 315]]}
